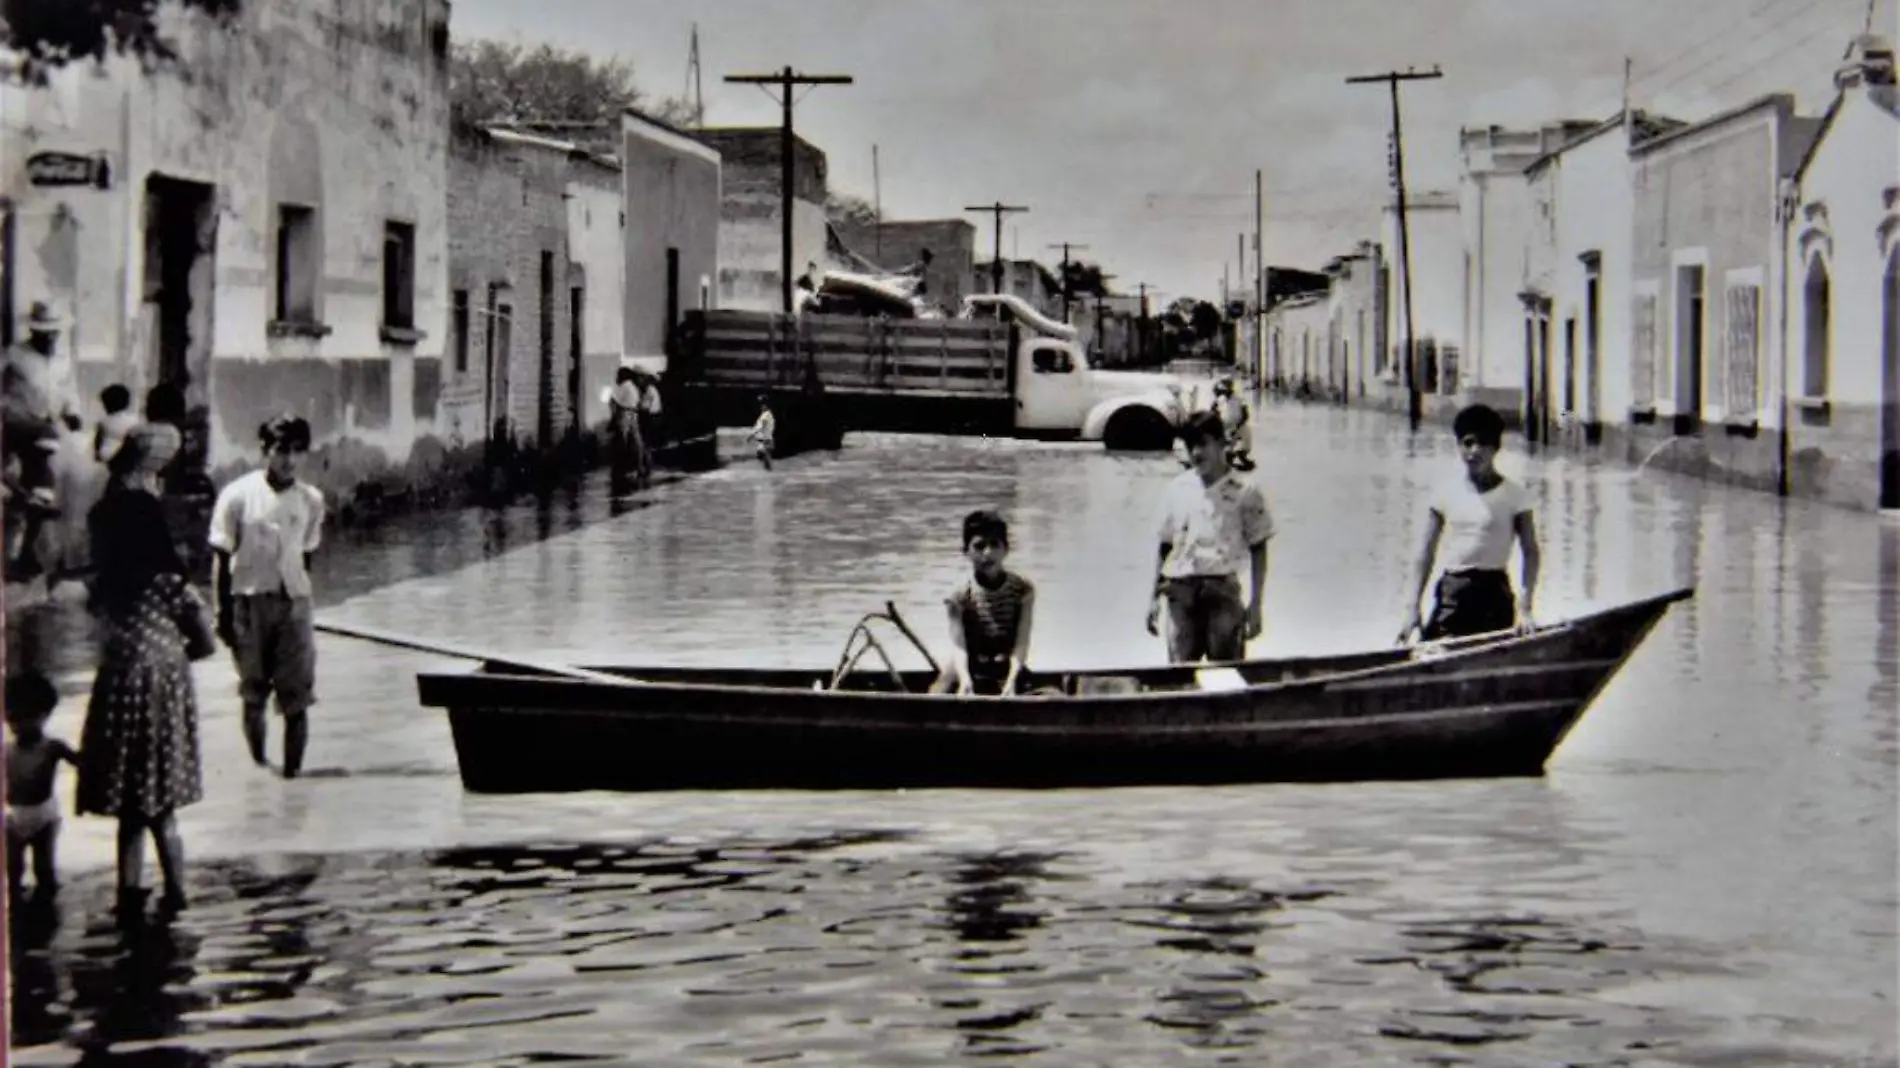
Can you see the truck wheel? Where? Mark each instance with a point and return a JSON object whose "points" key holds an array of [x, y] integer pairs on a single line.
{"points": [[1138, 430]]}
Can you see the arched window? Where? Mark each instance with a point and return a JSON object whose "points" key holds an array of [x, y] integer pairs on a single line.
{"points": [[1816, 303]]}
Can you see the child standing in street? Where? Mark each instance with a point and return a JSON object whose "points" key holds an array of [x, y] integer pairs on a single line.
{"points": [[1480, 516], [764, 434], [33, 758], [1213, 523], [990, 615], [264, 528]]}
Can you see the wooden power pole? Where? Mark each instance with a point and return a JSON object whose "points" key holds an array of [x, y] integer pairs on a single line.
{"points": [[1066, 247], [786, 80], [1414, 403], [997, 210]]}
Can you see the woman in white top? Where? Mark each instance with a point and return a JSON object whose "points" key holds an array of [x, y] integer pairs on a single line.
{"points": [[1478, 519]]}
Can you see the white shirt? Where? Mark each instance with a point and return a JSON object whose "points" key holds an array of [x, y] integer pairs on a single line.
{"points": [[1212, 528], [650, 400], [267, 533], [1479, 527]]}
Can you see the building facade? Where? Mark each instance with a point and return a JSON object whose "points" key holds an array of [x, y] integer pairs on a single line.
{"points": [[1030, 280], [1842, 234], [670, 245], [1354, 330], [1576, 285], [1494, 206], [751, 237], [1702, 360], [271, 234], [1436, 255], [1297, 332]]}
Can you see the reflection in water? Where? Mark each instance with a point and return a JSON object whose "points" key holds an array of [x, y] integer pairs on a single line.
{"points": [[1727, 830]]}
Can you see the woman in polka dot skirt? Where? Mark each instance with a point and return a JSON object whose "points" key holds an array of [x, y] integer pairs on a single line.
{"points": [[139, 758]]}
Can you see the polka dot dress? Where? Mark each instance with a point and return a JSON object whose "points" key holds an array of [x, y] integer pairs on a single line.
{"points": [[138, 753]]}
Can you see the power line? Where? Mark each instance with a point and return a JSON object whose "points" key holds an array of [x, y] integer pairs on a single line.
{"points": [[1762, 33], [785, 80], [998, 210]]}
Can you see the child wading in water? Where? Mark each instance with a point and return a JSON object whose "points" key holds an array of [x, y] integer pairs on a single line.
{"points": [[264, 527], [1477, 517], [990, 615], [32, 765], [764, 434]]}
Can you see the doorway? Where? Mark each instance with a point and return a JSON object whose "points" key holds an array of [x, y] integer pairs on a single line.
{"points": [[544, 415], [1890, 384], [7, 274], [181, 233], [1593, 359], [576, 305], [1689, 349]]}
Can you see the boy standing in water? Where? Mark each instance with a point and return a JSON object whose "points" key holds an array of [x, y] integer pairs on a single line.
{"points": [[1479, 516], [1213, 523], [764, 434], [990, 614], [32, 764], [264, 528]]}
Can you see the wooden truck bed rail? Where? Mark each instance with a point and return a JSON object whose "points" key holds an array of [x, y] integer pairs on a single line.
{"points": [[848, 355]]}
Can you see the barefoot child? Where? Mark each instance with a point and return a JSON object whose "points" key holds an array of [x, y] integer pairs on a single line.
{"points": [[990, 615], [764, 432], [1479, 516], [1213, 523], [264, 527], [32, 765]]}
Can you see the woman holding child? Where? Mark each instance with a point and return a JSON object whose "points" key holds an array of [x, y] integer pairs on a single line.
{"points": [[139, 760]]}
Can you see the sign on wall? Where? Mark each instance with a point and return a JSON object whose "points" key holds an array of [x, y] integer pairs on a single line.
{"points": [[64, 169]]}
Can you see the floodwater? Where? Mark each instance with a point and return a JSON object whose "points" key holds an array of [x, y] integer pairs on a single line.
{"points": [[1707, 876]]}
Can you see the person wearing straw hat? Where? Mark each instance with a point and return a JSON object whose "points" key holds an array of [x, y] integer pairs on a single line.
{"points": [[33, 405], [139, 760]]}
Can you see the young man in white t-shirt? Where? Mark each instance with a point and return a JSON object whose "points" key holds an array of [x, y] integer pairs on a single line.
{"points": [[1476, 519], [264, 527]]}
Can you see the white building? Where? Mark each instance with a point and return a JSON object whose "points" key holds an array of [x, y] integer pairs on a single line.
{"points": [[1436, 256]]}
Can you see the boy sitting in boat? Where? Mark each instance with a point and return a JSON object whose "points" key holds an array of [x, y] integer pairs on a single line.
{"points": [[1213, 523], [1479, 516], [990, 614]]}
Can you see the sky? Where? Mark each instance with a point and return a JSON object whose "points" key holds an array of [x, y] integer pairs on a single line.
{"points": [[1135, 127]]}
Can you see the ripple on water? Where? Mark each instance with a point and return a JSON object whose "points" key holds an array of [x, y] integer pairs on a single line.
{"points": [[903, 957]]}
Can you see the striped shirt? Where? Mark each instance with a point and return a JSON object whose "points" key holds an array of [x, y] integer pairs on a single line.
{"points": [[991, 615]]}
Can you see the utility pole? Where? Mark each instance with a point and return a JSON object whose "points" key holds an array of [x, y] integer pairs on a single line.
{"points": [[786, 80], [1101, 308], [695, 97], [877, 203], [1414, 404], [1259, 275], [1066, 288], [997, 210]]}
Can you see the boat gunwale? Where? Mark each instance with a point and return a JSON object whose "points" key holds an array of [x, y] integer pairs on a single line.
{"points": [[1450, 652]]}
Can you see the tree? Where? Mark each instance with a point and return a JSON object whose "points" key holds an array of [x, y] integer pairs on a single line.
{"points": [[1206, 320], [1085, 280], [48, 34], [494, 81]]}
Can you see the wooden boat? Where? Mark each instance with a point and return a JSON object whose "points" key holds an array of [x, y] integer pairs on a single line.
{"points": [[1473, 708]]}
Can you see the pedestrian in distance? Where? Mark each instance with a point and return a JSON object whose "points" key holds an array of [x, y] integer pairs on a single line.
{"points": [[625, 446], [990, 615], [1214, 522], [1473, 522], [764, 434], [1237, 421], [33, 759], [264, 528]]}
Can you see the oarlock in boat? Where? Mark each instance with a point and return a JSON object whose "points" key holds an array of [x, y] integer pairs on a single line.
{"points": [[1484, 707]]}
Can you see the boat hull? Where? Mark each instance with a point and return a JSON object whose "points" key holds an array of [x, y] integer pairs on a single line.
{"points": [[1480, 709]]}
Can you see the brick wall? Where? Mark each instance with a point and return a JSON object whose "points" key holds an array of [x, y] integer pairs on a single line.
{"points": [[506, 208]]}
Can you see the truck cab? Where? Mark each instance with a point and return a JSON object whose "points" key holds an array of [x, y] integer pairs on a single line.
{"points": [[1058, 394]]}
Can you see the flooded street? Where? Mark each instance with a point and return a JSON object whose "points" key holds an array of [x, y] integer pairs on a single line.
{"points": [[1707, 876]]}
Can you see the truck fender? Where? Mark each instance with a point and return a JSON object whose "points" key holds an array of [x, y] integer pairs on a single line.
{"points": [[1145, 421]]}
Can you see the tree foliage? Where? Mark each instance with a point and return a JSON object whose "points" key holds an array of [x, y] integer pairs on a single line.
{"points": [[502, 82], [48, 34], [1206, 320], [1085, 279]]}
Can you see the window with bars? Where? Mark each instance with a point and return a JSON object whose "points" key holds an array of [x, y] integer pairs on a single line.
{"points": [[1643, 353], [1743, 351]]}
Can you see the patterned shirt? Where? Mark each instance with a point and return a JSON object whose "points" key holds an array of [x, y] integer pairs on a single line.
{"points": [[267, 532], [991, 616], [1479, 527], [1212, 528]]}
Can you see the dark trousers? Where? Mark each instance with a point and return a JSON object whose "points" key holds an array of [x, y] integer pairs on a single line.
{"points": [[1469, 603], [1206, 619]]}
